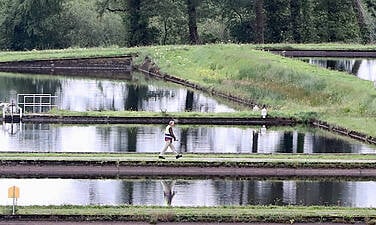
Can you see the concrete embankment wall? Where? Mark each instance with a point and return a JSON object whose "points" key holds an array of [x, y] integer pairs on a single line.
{"points": [[115, 169], [343, 131], [94, 66]]}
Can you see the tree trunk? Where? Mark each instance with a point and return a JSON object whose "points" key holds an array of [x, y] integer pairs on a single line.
{"points": [[295, 8], [260, 21], [135, 28], [192, 22], [361, 17]]}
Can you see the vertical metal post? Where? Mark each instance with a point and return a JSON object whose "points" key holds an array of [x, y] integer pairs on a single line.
{"points": [[14, 201], [33, 103], [24, 103], [40, 104]]}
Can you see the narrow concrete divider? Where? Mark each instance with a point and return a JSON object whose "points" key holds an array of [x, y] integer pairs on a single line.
{"points": [[114, 169], [270, 121]]}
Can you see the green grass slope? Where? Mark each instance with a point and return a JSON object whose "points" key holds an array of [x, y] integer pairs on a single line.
{"points": [[288, 86]]}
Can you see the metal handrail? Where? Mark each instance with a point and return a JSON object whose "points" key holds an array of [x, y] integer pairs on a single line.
{"points": [[37, 100]]}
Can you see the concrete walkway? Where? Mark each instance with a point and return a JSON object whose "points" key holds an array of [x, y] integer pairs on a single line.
{"points": [[133, 166]]}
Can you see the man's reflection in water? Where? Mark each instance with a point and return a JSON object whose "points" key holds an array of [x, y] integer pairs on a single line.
{"points": [[263, 130], [168, 192]]}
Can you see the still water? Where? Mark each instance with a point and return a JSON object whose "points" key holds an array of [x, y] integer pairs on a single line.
{"points": [[132, 93], [211, 192], [193, 139], [363, 68]]}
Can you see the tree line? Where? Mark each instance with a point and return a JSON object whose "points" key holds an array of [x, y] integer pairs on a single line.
{"points": [[47, 24]]}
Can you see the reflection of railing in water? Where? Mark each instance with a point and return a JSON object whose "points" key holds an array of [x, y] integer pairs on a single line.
{"points": [[12, 128], [12, 113], [38, 102]]}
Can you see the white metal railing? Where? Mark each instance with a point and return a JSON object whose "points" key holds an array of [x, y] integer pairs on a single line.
{"points": [[36, 102]]}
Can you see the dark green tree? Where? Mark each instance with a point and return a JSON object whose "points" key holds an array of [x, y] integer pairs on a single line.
{"points": [[296, 20], [305, 22], [237, 17], [29, 24], [138, 31], [336, 21], [168, 19], [364, 10], [277, 21], [85, 28], [260, 22], [135, 17]]}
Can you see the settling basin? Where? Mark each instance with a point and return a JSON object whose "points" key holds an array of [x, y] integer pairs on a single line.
{"points": [[132, 92], [180, 192], [192, 139]]}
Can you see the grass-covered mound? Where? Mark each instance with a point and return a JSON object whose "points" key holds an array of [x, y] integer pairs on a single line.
{"points": [[288, 86]]}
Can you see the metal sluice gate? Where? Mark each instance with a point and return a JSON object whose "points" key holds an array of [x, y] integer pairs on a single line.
{"points": [[27, 103]]}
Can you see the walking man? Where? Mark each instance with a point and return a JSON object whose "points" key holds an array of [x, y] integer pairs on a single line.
{"points": [[169, 138]]}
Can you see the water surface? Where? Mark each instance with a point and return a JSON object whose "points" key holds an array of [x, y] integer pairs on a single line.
{"points": [[217, 192], [363, 68], [131, 93], [193, 139]]}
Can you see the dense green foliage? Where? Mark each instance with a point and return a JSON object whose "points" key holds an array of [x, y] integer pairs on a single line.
{"points": [[46, 24]]}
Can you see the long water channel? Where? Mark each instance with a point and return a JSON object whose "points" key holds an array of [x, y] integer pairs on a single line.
{"points": [[209, 192], [192, 139]]}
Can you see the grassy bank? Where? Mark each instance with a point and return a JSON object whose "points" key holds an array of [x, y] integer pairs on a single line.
{"points": [[153, 214], [193, 159], [296, 157], [289, 87]]}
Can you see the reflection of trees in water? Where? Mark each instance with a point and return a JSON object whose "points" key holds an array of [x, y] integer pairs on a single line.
{"points": [[322, 144], [126, 192], [189, 101], [233, 192], [350, 66], [184, 139], [280, 193], [286, 143], [28, 86], [134, 98], [255, 137], [119, 139], [132, 139], [322, 193]]}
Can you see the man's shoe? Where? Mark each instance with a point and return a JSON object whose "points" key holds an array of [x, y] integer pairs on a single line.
{"points": [[161, 157], [178, 156]]}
